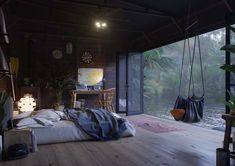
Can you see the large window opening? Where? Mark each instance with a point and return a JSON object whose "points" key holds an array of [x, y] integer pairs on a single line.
{"points": [[161, 78]]}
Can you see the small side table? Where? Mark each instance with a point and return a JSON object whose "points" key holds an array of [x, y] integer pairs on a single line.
{"points": [[229, 119], [15, 136]]}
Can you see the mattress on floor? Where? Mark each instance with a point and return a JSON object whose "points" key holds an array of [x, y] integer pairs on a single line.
{"points": [[67, 131], [62, 131]]}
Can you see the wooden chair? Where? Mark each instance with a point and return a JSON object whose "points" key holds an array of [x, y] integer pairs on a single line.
{"points": [[105, 99]]}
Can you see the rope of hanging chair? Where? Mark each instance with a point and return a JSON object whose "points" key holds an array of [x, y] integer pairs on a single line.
{"points": [[200, 58], [181, 69], [182, 62], [196, 39], [190, 59], [184, 48]]}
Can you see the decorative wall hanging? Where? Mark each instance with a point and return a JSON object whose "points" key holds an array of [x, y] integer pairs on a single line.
{"points": [[69, 48], [87, 57], [57, 54]]}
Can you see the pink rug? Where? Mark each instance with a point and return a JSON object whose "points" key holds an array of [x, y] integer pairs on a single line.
{"points": [[152, 124]]}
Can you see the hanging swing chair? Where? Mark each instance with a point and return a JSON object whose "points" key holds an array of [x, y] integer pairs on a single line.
{"points": [[190, 109]]}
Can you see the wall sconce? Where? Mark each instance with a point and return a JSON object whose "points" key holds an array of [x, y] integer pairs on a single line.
{"points": [[27, 103]]}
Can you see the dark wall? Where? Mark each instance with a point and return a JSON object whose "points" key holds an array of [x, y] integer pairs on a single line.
{"points": [[35, 56]]}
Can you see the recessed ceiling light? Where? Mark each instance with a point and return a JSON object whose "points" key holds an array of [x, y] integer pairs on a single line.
{"points": [[104, 24], [100, 24], [97, 24]]}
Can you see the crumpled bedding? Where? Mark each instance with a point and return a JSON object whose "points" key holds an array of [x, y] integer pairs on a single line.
{"points": [[100, 124], [47, 129]]}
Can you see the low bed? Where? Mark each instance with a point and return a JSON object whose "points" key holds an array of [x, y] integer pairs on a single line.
{"points": [[50, 126]]}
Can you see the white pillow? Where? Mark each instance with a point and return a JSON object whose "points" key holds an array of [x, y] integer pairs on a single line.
{"points": [[26, 122], [43, 122], [23, 115], [48, 114]]}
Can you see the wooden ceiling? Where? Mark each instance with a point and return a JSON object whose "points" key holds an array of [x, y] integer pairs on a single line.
{"points": [[140, 24]]}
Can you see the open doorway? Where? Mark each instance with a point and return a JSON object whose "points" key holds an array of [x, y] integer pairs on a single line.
{"points": [[130, 83], [161, 78]]}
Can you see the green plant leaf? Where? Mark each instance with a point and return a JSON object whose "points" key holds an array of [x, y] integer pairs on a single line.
{"points": [[229, 47], [232, 29], [232, 97], [230, 68], [230, 104]]}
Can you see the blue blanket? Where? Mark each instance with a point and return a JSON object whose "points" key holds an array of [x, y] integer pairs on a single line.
{"points": [[97, 123]]}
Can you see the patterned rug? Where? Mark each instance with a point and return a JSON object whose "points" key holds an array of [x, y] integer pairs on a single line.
{"points": [[152, 124]]}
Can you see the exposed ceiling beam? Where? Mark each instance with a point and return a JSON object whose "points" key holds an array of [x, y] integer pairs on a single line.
{"points": [[3, 2], [160, 11], [105, 6], [47, 21], [228, 6], [70, 36], [54, 9]]}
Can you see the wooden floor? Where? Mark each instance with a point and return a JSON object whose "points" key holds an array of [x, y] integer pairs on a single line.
{"points": [[193, 146]]}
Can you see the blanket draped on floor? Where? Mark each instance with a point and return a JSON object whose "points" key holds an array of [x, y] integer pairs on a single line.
{"points": [[98, 123]]}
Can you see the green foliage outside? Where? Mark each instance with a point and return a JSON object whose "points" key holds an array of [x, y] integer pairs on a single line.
{"points": [[230, 68], [162, 72]]}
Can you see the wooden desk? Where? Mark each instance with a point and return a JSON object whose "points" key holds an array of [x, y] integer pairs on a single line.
{"points": [[229, 119], [74, 93]]}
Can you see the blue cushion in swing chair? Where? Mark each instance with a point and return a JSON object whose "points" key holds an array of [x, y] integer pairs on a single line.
{"points": [[194, 109]]}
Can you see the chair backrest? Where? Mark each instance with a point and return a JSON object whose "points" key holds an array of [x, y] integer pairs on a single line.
{"points": [[107, 94]]}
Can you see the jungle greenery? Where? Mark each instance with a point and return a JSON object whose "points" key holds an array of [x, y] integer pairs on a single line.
{"points": [[230, 68], [162, 72]]}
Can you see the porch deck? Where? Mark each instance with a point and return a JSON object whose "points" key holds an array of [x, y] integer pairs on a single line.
{"points": [[192, 146]]}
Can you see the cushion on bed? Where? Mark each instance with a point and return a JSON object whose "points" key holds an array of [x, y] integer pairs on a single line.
{"points": [[48, 114], [43, 122], [26, 122], [23, 115], [33, 122]]}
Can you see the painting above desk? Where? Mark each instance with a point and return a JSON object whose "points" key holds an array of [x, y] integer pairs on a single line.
{"points": [[89, 84], [90, 79]]}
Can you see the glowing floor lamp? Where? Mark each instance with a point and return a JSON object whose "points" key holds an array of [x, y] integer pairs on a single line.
{"points": [[6, 71]]}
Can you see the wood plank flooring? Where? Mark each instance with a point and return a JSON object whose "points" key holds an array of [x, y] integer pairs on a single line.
{"points": [[193, 146]]}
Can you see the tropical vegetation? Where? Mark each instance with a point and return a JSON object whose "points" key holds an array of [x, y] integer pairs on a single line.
{"points": [[162, 72]]}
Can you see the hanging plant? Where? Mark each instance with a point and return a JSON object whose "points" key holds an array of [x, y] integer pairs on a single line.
{"points": [[230, 68]]}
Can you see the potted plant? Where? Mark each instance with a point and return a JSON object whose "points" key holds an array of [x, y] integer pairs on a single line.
{"points": [[231, 103], [57, 84], [56, 80], [230, 68]]}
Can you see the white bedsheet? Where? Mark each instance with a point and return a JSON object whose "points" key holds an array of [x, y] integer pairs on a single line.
{"points": [[66, 131], [48, 128], [62, 131]]}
